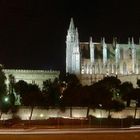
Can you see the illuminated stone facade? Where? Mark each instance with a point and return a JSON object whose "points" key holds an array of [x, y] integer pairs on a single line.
{"points": [[31, 76], [91, 61]]}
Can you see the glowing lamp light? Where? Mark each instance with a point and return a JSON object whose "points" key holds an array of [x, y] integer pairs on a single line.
{"points": [[41, 115], [98, 115], [100, 105], [6, 99]]}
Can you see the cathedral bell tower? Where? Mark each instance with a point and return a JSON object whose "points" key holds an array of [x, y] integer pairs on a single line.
{"points": [[72, 50]]}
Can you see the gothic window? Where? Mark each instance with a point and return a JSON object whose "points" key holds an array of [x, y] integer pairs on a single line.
{"points": [[129, 53], [85, 52], [98, 51]]}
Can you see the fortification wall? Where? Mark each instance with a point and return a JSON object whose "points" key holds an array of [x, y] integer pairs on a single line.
{"points": [[87, 79], [77, 112]]}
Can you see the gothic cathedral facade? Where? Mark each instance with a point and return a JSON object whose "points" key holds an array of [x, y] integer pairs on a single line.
{"points": [[91, 61]]}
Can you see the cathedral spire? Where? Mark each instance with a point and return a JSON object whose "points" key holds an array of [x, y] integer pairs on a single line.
{"points": [[90, 39], [77, 39], [133, 56], [77, 33], [71, 27], [72, 50], [129, 42], [114, 41], [103, 40], [104, 51], [132, 40], [91, 45]]}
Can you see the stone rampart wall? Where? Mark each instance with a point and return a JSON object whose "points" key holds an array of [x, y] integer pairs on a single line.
{"points": [[77, 112]]}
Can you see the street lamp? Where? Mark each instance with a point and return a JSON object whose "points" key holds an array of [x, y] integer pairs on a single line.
{"points": [[6, 99], [100, 105]]}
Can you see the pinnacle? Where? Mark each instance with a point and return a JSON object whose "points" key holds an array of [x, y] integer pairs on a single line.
{"points": [[71, 27]]}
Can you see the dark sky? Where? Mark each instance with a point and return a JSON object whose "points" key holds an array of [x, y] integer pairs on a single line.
{"points": [[33, 32]]}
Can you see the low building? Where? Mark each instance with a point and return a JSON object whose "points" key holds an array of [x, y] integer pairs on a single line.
{"points": [[31, 76]]}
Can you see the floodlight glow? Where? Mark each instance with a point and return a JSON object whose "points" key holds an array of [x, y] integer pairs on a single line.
{"points": [[6, 99], [100, 105], [41, 115], [98, 115]]}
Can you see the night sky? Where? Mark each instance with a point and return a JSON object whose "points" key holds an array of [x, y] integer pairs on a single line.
{"points": [[33, 32]]}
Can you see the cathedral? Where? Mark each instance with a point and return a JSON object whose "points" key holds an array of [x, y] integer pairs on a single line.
{"points": [[91, 61]]}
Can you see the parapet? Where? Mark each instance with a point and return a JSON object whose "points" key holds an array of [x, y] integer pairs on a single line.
{"points": [[31, 71]]}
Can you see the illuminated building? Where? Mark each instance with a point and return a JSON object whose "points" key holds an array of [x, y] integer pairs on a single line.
{"points": [[91, 61]]}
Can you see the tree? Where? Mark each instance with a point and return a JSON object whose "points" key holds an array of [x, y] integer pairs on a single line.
{"points": [[104, 93], [33, 96], [11, 84], [3, 91], [138, 82], [110, 82], [115, 105], [3, 88], [51, 92], [102, 90], [11, 90], [71, 80], [21, 87], [136, 96], [72, 97], [126, 89], [30, 93]]}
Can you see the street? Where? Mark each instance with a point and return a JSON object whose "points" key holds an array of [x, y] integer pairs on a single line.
{"points": [[70, 134]]}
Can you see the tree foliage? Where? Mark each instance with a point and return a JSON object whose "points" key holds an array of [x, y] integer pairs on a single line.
{"points": [[126, 89], [30, 93], [3, 91], [3, 88], [138, 82], [51, 92]]}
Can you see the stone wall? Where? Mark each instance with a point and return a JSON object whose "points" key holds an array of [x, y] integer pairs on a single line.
{"points": [[77, 112]]}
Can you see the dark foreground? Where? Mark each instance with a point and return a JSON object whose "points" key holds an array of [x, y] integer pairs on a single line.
{"points": [[71, 134], [70, 129]]}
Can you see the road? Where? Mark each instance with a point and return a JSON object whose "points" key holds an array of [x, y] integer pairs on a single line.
{"points": [[70, 134]]}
